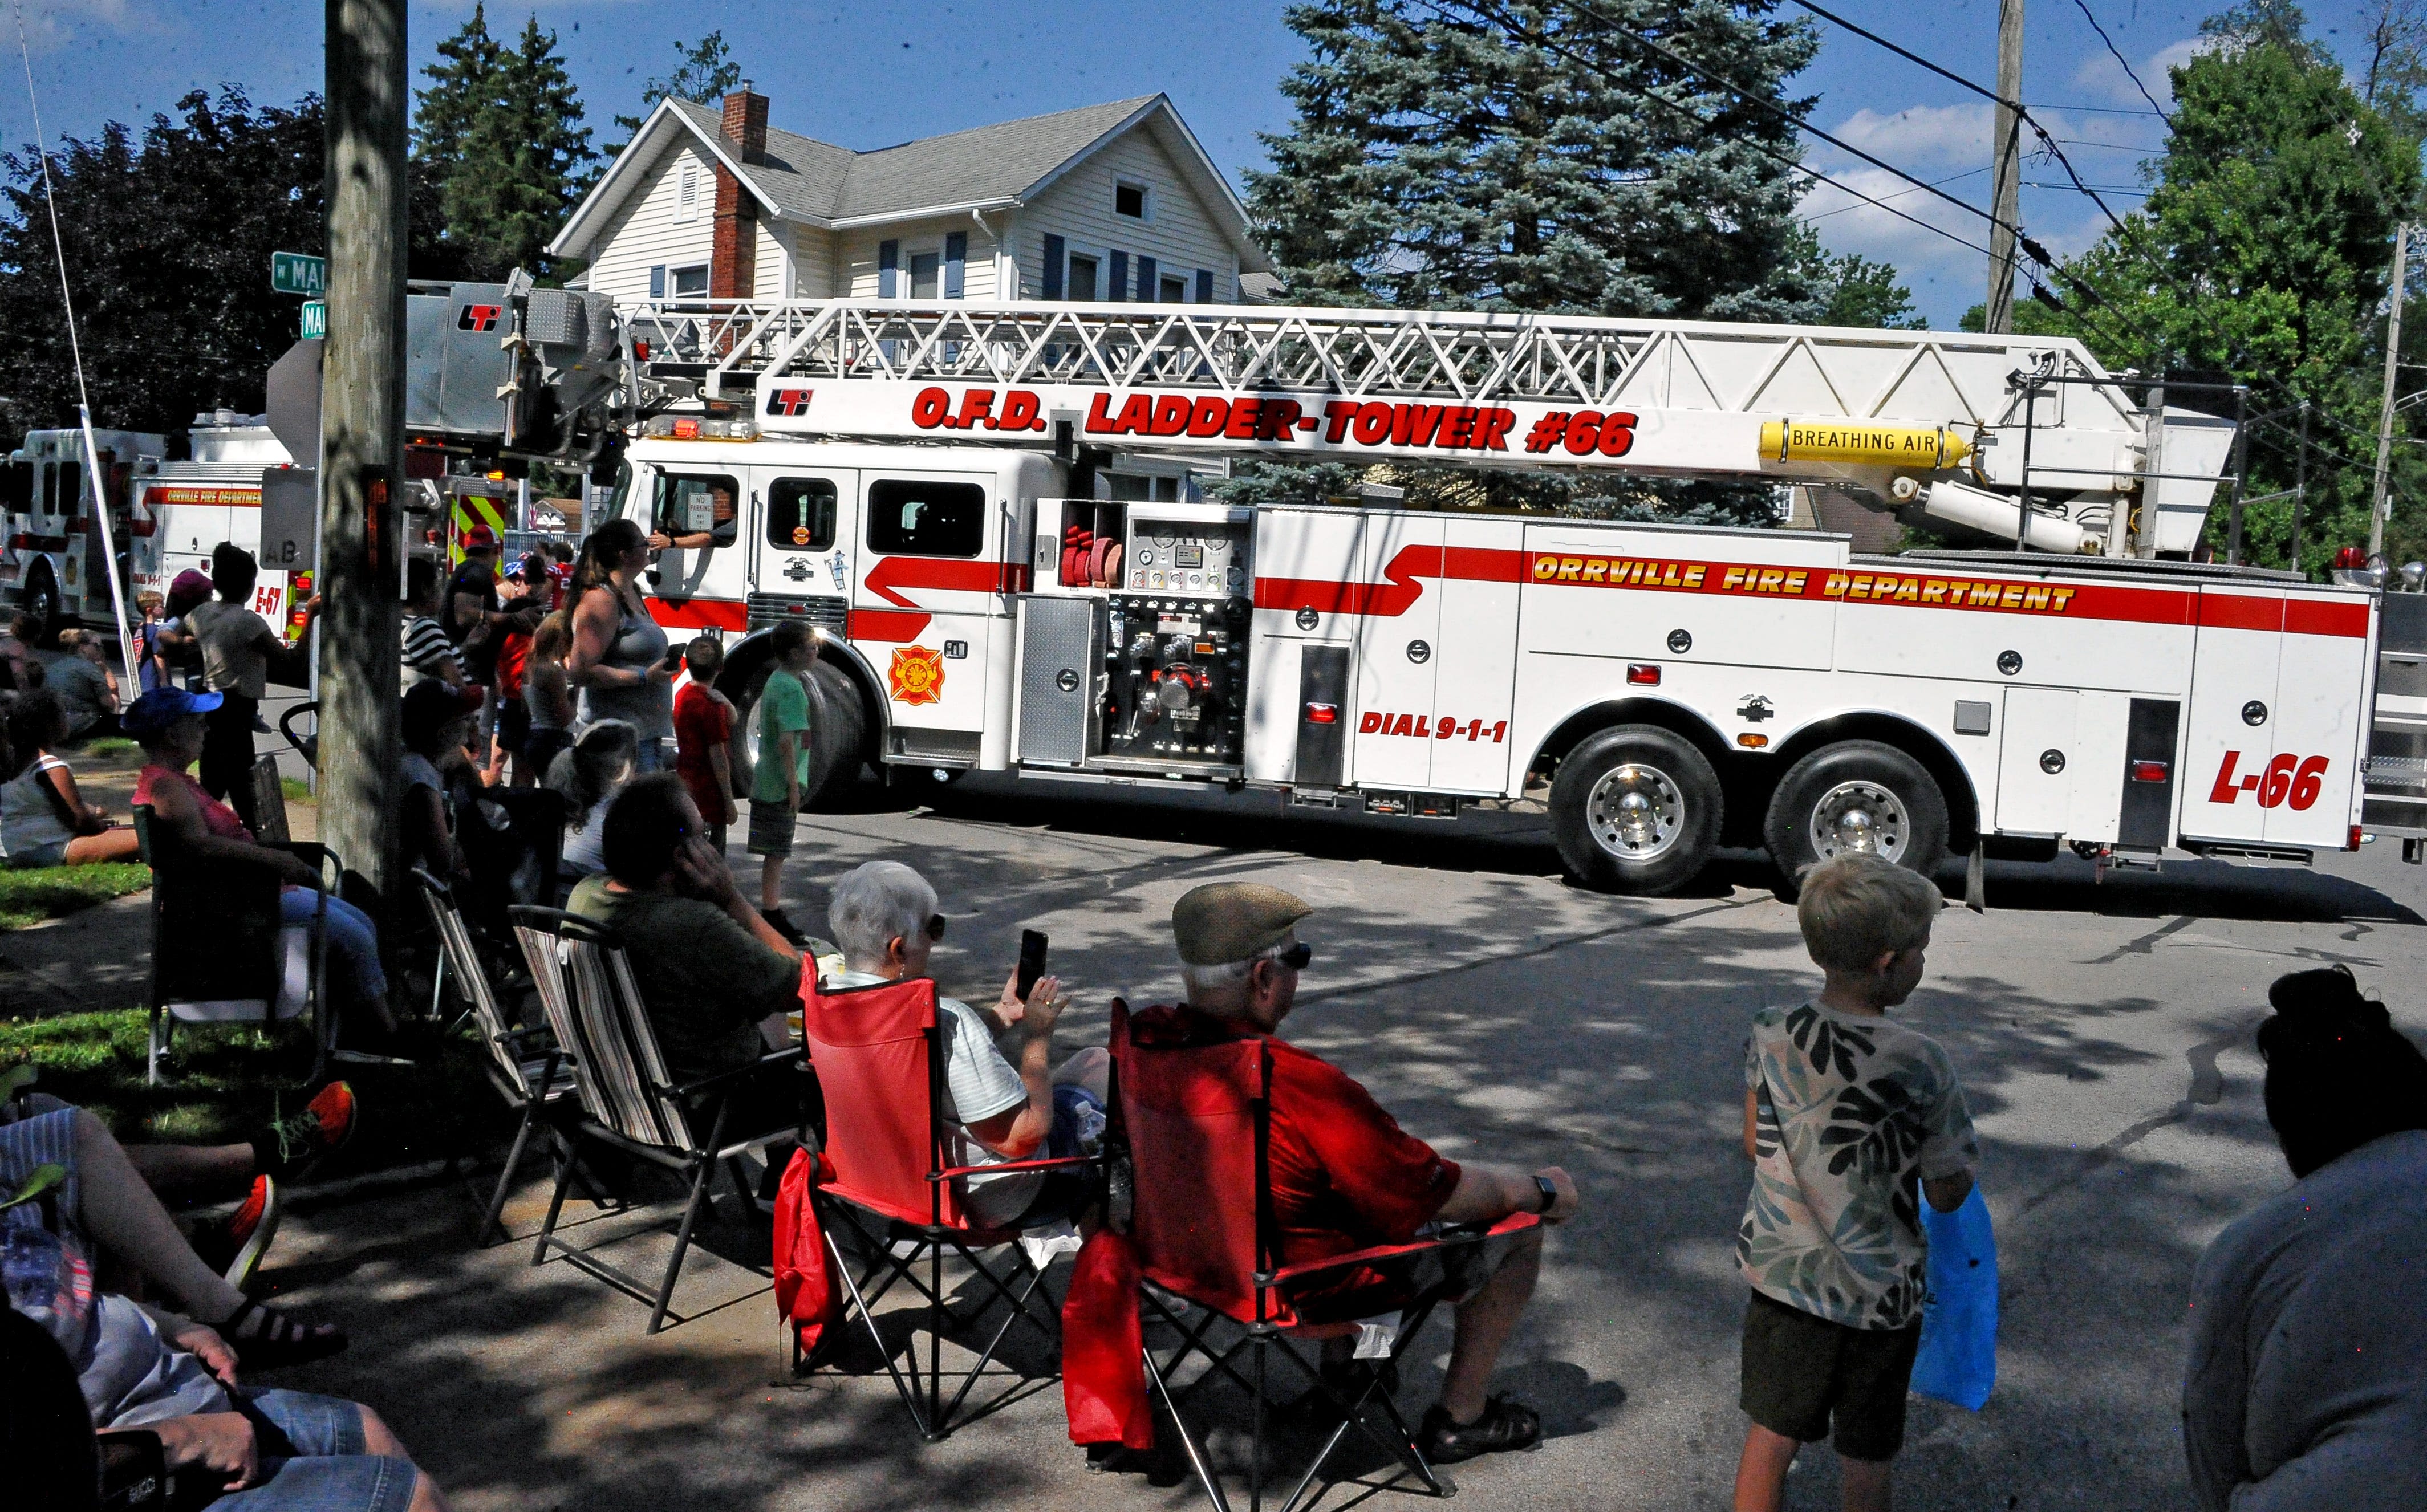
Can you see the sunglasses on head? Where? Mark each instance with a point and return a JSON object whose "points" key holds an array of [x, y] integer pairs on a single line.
{"points": [[936, 928]]}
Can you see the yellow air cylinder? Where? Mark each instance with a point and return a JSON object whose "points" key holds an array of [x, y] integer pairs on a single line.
{"points": [[1852, 441]]}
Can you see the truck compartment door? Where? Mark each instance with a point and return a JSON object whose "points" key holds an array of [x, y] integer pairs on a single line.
{"points": [[2231, 743], [924, 611], [798, 541], [1060, 677], [1475, 657], [2149, 753], [2320, 721], [1398, 564], [2036, 761]]}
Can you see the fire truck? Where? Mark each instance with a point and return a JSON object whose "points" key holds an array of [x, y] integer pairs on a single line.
{"points": [[165, 516], [928, 486]]}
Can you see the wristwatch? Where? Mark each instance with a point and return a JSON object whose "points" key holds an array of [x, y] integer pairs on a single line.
{"points": [[1550, 1193]]}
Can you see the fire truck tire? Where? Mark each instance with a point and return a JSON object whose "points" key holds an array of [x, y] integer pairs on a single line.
{"points": [[840, 739], [41, 597], [1858, 795], [1635, 809]]}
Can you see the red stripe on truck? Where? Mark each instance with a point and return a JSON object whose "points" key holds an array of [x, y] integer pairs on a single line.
{"points": [[700, 613]]}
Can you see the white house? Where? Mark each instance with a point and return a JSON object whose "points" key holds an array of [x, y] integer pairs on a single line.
{"points": [[1110, 201]]}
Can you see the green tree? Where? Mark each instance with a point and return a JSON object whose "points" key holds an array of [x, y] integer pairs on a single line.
{"points": [[1863, 291], [2262, 250], [706, 74], [167, 238], [1518, 157], [500, 130]]}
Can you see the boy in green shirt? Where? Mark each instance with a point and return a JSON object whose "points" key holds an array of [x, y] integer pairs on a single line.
{"points": [[783, 769]]}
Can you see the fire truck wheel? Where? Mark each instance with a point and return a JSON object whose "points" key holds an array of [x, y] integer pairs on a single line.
{"points": [[1635, 809], [1859, 795], [840, 736], [41, 597]]}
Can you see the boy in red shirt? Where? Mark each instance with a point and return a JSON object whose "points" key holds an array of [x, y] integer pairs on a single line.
{"points": [[702, 725]]}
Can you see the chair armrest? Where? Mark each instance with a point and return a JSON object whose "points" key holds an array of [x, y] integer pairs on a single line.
{"points": [[515, 1037], [321, 858], [1056, 1164], [792, 1056], [1514, 1223]]}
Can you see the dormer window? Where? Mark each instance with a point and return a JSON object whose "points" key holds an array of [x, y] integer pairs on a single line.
{"points": [[1131, 199]]}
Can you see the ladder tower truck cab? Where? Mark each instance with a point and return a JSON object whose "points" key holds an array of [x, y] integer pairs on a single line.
{"points": [[54, 563], [925, 483]]}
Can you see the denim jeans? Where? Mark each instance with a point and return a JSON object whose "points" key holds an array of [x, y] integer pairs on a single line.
{"points": [[312, 1460], [354, 945]]}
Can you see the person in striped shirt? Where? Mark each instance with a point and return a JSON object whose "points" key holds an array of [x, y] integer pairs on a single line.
{"points": [[428, 653]]}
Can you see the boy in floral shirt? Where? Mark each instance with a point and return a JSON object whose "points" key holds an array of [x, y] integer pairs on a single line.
{"points": [[1843, 1109]]}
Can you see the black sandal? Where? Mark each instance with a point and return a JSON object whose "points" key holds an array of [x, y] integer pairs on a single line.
{"points": [[1505, 1425], [276, 1339]]}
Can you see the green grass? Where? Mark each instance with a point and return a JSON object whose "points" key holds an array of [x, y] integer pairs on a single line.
{"points": [[49, 892], [226, 1081], [109, 747], [296, 791]]}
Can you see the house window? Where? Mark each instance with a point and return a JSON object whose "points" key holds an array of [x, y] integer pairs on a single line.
{"points": [[687, 190], [924, 520], [1082, 282], [688, 282], [923, 273], [1174, 289], [1130, 197]]}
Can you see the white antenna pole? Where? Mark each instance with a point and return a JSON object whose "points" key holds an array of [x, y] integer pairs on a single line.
{"points": [[84, 399]]}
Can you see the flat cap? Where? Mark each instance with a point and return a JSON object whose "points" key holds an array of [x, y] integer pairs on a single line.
{"points": [[1226, 921]]}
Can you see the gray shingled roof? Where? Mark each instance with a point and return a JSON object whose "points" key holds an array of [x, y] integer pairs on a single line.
{"points": [[819, 180]]}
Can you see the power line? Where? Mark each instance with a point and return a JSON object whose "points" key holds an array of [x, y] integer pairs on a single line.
{"points": [[2118, 55], [1969, 172]]}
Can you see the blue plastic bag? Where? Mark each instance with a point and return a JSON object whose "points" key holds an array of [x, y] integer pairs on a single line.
{"points": [[1957, 1362]]}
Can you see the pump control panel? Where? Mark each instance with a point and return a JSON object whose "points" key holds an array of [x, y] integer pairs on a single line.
{"points": [[1199, 558], [1176, 677]]}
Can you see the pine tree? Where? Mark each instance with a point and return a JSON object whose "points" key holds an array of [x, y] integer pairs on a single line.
{"points": [[707, 73], [499, 128], [1519, 156]]}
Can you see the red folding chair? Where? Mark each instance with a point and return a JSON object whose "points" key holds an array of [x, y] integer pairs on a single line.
{"points": [[1197, 1122], [879, 1056]]}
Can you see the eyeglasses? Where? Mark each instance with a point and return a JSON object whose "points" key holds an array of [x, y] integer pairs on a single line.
{"points": [[1295, 957], [936, 928]]}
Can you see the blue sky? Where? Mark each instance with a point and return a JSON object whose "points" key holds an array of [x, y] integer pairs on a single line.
{"points": [[865, 75]]}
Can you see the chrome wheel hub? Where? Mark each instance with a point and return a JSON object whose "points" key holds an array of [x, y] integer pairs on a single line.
{"points": [[1860, 816], [1635, 812]]}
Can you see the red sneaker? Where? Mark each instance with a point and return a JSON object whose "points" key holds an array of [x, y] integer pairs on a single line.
{"points": [[323, 1129], [249, 1231]]}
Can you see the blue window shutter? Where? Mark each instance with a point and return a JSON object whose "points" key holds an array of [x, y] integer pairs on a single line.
{"points": [[657, 281], [1118, 286], [956, 258], [1204, 285], [1056, 258], [1147, 292], [888, 267]]}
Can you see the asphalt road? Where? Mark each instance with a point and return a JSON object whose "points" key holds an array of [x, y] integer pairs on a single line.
{"points": [[2101, 1026]]}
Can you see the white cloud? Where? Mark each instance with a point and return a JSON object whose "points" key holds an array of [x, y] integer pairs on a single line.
{"points": [[2104, 79], [1921, 137]]}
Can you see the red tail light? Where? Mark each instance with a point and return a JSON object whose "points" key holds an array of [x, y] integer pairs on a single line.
{"points": [[2149, 771], [1322, 713], [1644, 674], [2354, 838]]}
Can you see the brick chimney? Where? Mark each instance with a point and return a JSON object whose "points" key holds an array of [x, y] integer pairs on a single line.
{"points": [[733, 260]]}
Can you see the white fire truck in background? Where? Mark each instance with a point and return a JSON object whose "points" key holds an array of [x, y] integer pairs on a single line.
{"points": [[925, 482], [165, 516]]}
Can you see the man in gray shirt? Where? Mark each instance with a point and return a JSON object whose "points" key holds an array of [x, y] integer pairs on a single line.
{"points": [[2307, 1383]]}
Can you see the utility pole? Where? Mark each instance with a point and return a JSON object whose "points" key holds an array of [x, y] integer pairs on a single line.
{"points": [[2005, 201], [2385, 417], [361, 437]]}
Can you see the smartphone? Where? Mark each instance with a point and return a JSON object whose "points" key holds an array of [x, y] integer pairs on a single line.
{"points": [[1031, 960]]}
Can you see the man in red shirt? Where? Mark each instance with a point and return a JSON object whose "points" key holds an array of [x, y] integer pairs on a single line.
{"points": [[702, 725], [1345, 1176]]}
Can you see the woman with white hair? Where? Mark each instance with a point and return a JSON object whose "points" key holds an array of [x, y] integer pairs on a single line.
{"points": [[885, 918]]}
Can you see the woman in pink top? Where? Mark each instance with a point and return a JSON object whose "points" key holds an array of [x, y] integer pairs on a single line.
{"points": [[168, 723]]}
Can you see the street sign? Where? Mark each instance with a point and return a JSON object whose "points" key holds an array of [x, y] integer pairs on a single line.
{"points": [[315, 320], [292, 397], [299, 273]]}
